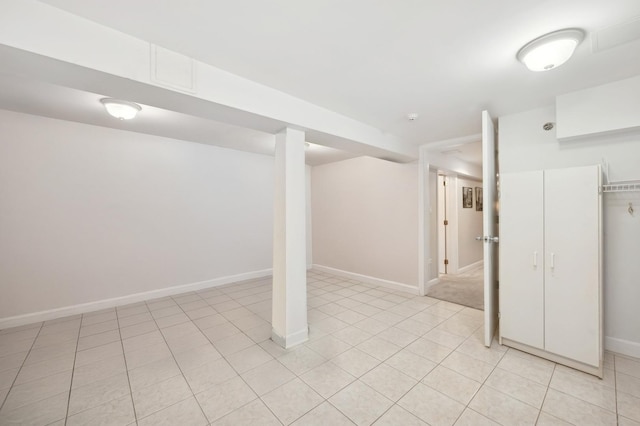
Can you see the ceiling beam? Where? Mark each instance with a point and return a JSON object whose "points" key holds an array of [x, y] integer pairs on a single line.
{"points": [[83, 55]]}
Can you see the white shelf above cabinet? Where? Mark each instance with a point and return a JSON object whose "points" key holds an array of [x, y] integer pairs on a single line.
{"points": [[608, 109]]}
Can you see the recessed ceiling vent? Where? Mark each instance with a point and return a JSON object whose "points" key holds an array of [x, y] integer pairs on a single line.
{"points": [[615, 35]]}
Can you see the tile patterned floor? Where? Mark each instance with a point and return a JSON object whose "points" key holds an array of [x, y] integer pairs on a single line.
{"points": [[375, 356]]}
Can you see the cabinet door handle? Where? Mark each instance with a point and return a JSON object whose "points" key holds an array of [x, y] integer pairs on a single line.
{"points": [[553, 260], [535, 259]]}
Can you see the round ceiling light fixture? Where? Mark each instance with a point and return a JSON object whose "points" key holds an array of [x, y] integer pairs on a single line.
{"points": [[551, 50], [121, 110]]}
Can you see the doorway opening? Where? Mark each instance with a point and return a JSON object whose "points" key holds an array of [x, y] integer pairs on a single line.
{"points": [[485, 172], [459, 221], [465, 289]]}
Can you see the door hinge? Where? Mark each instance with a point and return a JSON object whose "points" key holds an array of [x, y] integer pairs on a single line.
{"points": [[446, 261], [446, 222]]}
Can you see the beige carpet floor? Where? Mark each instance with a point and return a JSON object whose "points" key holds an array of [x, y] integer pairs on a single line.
{"points": [[464, 289]]}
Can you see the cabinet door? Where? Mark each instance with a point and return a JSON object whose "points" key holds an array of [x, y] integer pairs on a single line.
{"points": [[522, 258], [572, 265]]}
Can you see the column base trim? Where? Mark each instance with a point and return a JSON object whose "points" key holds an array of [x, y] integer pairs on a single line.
{"points": [[292, 339]]}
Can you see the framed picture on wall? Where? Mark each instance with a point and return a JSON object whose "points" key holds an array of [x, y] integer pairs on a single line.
{"points": [[478, 199], [467, 197]]}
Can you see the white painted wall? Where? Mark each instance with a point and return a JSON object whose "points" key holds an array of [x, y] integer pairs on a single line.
{"points": [[469, 223], [89, 213], [524, 145], [365, 218]]}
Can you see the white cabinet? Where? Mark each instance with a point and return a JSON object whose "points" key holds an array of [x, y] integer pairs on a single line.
{"points": [[550, 265], [522, 258]]}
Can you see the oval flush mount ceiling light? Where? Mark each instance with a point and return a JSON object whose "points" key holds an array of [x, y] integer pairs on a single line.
{"points": [[551, 50], [122, 110]]}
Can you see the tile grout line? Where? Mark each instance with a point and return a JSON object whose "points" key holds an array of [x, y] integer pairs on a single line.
{"points": [[438, 365], [73, 371], [21, 366], [258, 397], [126, 367], [546, 391], [594, 404], [174, 357], [615, 388], [419, 380], [358, 379], [496, 366], [255, 393], [284, 384], [483, 383], [278, 387]]}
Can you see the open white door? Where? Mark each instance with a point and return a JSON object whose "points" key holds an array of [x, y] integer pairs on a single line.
{"points": [[489, 225]]}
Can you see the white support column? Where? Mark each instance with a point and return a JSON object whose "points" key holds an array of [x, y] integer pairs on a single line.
{"points": [[289, 316]]}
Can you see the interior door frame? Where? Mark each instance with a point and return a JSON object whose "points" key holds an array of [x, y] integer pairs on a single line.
{"points": [[430, 161], [451, 230], [490, 227], [443, 223]]}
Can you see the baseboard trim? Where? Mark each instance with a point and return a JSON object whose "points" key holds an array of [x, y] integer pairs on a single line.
{"points": [[430, 284], [368, 279], [622, 347], [126, 300], [468, 268]]}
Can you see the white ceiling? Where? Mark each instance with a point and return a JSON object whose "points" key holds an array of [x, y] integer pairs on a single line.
{"points": [[376, 61]]}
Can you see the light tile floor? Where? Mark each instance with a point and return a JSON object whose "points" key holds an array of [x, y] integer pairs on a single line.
{"points": [[375, 356]]}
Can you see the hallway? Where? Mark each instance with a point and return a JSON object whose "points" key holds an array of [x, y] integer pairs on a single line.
{"points": [[465, 289]]}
